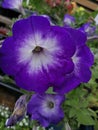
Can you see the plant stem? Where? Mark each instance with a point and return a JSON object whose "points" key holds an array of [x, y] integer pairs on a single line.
{"points": [[92, 37]]}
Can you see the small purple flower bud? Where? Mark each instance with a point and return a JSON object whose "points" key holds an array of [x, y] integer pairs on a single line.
{"points": [[12, 4], [19, 111], [68, 20], [88, 29]]}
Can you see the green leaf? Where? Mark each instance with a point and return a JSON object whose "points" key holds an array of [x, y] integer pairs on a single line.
{"points": [[83, 117], [72, 113]]}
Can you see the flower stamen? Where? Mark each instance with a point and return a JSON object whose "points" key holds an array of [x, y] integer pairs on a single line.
{"points": [[37, 49], [50, 104]]}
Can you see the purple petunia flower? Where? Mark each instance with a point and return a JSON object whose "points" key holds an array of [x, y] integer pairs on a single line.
{"points": [[39, 55], [83, 59], [68, 20], [12, 4], [88, 29], [46, 108]]}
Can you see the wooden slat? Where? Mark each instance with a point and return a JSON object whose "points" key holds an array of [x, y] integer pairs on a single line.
{"points": [[88, 4]]}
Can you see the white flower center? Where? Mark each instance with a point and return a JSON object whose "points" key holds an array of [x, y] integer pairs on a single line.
{"points": [[49, 106], [38, 52]]}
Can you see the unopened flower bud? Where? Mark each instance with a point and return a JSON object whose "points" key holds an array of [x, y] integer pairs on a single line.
{"points": [[19, 111]]}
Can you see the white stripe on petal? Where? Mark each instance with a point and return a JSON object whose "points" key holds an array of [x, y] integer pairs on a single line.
{"points": [[75, 58]]}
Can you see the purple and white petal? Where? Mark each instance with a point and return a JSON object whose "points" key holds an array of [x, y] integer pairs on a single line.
{"points": [[83, 55], [83, 59]]}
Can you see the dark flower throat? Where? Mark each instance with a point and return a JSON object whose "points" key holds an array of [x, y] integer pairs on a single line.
{"points": [[37, 49], [50, 105]]}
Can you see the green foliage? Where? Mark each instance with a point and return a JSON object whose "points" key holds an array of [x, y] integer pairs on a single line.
{"points": [[84, 16], [41, 7], [76, 108]]}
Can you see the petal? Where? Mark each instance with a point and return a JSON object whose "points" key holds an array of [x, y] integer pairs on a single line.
{"points": [[30, 26], [59, 99], [37, 82], [65, 41], [57, 117], [85, 55], [83, 59], [44, 122], [78, 36], [83, 72], [57, 75], [80, 74], [71, 82], [8, 57], [33, 104]]}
